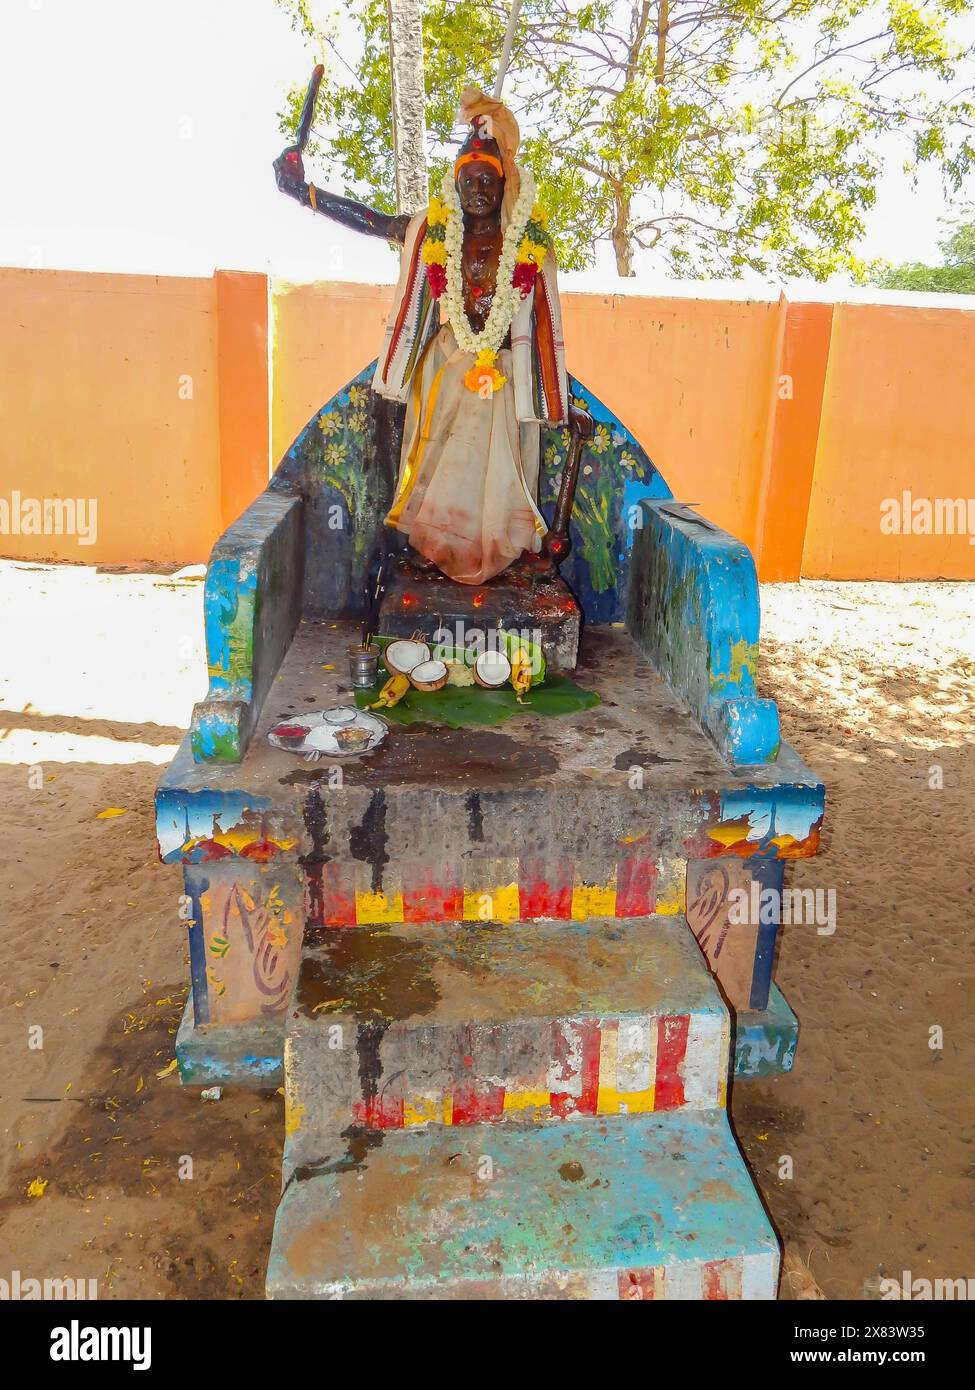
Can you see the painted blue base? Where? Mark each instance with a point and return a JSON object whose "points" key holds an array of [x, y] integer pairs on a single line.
{"points": [[249, 1055], [765, 1039], [693, 607], [633, 1206]]}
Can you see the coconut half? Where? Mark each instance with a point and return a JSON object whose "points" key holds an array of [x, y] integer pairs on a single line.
{"points": [[402, 656], [429, 675], [492, 670]]}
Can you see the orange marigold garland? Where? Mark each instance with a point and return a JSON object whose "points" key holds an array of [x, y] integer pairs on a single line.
{"points": [[484, 378]]}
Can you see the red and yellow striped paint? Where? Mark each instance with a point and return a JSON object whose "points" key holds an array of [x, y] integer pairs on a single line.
{"points": [[598, 1067], [498, 890], [712, 1280]]}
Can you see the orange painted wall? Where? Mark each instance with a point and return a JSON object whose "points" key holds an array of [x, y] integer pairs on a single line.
{"points": [[690, 378], [243, 388], [898, 413], [324, 334], [797, 384], [91, 368]]}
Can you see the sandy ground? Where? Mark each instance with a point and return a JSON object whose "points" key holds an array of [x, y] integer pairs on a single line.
{"points": [[157, 1195]]}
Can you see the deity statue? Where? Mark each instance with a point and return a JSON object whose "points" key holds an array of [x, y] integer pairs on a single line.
{"points": [[474, 349]]}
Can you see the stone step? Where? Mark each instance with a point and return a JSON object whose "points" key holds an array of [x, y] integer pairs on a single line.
{"points": [[442, 610], [653, 1206], [455, 1025]]}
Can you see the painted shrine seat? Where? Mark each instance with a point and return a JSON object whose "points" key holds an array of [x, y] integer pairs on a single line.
{"points": [[546, 823], [310, 545], [486, 924]]}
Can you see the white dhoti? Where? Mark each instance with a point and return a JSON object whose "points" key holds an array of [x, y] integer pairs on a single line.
{"points": [[468, 476]]}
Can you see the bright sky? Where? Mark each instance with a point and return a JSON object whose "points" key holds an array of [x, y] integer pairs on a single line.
{"points": [[137, 135]]}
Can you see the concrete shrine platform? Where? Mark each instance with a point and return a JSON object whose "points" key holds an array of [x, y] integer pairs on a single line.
{"points": [[579, 767], [623, 810], [556, 915]]}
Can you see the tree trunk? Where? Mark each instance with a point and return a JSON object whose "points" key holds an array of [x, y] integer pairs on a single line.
{"points": [[622, 241], [663, 29], [409, 110]]}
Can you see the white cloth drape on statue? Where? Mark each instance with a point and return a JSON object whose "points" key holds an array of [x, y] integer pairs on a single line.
{"points": [[468, 478]]}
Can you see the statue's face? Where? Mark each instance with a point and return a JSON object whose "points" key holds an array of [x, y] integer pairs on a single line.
{"points": [[480, 189]]}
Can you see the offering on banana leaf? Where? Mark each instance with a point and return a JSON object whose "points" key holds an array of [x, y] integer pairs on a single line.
{"points": [[480, 688], [508, 660]]}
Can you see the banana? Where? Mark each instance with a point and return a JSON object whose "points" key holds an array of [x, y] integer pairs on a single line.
{"points": [[521, 673], [392, 692]]}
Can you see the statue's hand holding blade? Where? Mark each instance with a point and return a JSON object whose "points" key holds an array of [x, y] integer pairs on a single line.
{"points": [[288, 167]]}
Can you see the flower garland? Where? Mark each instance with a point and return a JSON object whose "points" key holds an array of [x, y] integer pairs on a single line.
{"points": [[525, 246]]}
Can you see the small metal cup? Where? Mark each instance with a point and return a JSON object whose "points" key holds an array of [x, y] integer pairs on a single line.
{"points": [[364, 666]]}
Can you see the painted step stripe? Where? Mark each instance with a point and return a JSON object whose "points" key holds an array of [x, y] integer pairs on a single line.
{"points": [[671, 1050], [708, 1056], [498, 890], [744, 1276], [618, 1066]]}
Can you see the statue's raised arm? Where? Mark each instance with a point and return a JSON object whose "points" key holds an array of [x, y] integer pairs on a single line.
{"points": [[290, 174]]}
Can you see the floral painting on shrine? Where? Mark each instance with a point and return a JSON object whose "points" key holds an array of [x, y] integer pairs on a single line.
{"points": [[345, 468], [615, 476]]}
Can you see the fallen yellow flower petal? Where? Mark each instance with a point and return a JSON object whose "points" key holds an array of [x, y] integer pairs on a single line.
{"points": [[167, 1071], [37, 1188], [110, 811]]}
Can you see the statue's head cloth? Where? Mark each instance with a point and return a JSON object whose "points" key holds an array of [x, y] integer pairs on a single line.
{"points": [[492, 124]]}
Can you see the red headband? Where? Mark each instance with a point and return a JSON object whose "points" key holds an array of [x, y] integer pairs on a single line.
{"points": [[478, 157]]}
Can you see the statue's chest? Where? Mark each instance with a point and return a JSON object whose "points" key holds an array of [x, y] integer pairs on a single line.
{"points": [[479, 267]]}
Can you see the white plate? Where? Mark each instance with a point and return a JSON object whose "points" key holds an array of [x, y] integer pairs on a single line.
{"points": [[325, 728]]}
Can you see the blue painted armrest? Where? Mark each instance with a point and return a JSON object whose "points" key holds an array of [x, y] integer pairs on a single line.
{"points": [[252, 603], [693, 608]]}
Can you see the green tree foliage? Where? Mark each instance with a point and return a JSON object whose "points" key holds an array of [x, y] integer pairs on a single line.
{"points": [[955, 275], [722, 135]]}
